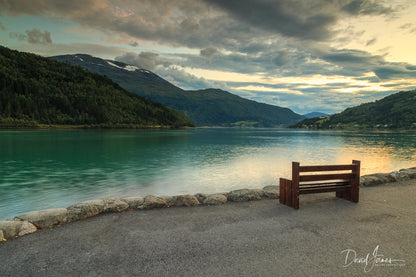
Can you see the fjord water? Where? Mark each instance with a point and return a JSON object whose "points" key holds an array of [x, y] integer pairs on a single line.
{"points": [[56, 168]]}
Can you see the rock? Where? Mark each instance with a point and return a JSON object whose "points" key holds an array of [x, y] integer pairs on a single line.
{"points": [[114, 205], [13, 228], [45, 218], [215, 199], [134, 202], [85, 209], [186, 200], [151, 202], [245, 195], [271, 192], [404, 174], [376, 179], [170, 200], [201, 197], [1, 236]]}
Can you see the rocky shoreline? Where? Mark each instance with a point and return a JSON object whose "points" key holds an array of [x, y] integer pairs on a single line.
{"points": [[31, 222]]}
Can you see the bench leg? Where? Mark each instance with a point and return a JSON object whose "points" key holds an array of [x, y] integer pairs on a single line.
{"points": [[344, 195], [351, 195], [288, 195]]}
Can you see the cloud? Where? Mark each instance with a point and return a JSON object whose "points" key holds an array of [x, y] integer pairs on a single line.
{"points": [[297, 18], [2, 27], [18, 36], [145, 60], [53, 49], [208, 52], [282, 58], [371, 42], [184, 80], [356, 63], [34, 36], [409, 26], [366, 7], [270, 38], [220, 24], [395, 71]]}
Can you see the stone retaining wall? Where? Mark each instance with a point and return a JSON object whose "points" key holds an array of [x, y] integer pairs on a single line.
{"points": [[33, 221]]}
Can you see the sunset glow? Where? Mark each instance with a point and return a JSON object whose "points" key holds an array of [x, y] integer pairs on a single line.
{"points": [[304, 55]]}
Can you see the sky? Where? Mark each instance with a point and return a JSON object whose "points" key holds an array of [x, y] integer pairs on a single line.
{"points": [[307, 55]]}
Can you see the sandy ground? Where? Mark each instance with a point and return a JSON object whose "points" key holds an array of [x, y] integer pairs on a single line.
{"points": [[327, 236]]}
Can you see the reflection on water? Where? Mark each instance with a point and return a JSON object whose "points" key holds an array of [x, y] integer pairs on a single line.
{"points": [[49, 169]]}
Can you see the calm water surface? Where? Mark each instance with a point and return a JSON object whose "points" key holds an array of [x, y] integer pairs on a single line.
{"points": [[51, 169]]}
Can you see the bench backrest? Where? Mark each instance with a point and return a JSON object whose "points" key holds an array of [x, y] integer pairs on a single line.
{"points": [[297, 171], [299, 179]]}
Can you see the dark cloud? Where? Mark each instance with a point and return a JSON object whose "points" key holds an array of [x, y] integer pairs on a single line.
{"points": [[221, 24], [351, 57], [34, 36], [366, 7], [208, 52], [282, 58], [356, 63], [394, 71], [299, 19]]}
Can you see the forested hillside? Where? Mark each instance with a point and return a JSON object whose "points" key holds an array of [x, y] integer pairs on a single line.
{"points": [[209, 107], [36, 90], [394, 111]]}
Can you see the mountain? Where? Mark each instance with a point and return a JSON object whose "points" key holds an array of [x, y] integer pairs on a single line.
{"points": [[394, 111], [210, 107], [36, 90], [315, 114]]}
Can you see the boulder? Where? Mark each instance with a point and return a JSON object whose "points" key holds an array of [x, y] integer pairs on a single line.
{"points": [[85, 209], [170, 200], [1, 236], [376, 179], [404, 174], [185, 200], [134, 202], [215, 199], [271, 192], [151, 202], [12, 228], [45, 218], [201, 197], [241, 195], [114, 205]]}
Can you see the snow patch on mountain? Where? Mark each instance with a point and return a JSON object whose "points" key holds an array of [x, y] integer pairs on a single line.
{"points": [[112, 64], [131, 68]]}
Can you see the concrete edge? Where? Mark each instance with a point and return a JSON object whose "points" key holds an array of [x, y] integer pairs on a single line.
{"points": [[37, 220]]}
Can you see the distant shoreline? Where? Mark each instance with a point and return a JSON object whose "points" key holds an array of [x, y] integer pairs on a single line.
{"points": [[93, 127]]}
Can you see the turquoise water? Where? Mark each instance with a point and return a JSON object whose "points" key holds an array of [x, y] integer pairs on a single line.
{"points": [[53, 168]]}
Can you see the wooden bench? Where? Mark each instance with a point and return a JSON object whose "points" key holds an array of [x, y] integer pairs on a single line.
{"points": [[344, 184]]}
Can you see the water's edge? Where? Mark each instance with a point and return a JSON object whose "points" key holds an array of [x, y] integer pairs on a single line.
{"points": [[31, 222]]}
